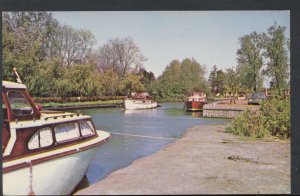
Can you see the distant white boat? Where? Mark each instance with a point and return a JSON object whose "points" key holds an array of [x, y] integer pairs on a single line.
{"points": [[139, 101]]}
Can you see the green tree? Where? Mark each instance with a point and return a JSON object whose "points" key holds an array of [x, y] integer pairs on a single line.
{"points": [[276, 52], [180, 79], [221, 81], [213, 79], [250, 61], [147, 78], [24, 40], [109, 82], [192, 76], [131, 83], [79, 80], [233, 84], [47, 75], [217, 80]]}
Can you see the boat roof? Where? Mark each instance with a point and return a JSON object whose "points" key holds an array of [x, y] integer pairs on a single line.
{"points": [[14, 85], [197, 96]]}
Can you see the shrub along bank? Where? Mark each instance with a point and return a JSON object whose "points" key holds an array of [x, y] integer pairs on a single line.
{"points": [[273, 119]]}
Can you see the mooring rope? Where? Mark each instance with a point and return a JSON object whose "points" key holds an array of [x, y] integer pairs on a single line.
{"points": [[200, 141]]}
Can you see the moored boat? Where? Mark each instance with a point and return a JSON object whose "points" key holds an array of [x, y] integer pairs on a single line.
{"points": [[44, 153], [196, 102], [139, 101]]}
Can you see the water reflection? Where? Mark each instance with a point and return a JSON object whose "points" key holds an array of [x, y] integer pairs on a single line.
{"points": [[196, 114]]}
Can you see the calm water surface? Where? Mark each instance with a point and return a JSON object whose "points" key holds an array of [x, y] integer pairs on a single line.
{"points": [[169, 120]]}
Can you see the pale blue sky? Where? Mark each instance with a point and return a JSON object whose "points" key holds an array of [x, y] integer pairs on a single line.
{"points": [[211, 37]]}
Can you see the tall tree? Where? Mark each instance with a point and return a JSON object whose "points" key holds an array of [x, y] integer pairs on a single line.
{"points": [[122, 55], [213, 79], [180, 79], [25, 36], [131, 83], [276, 53], [192, 76], [250, 60], [73, 45], [233, 85], [217, 80], [147, 78]]}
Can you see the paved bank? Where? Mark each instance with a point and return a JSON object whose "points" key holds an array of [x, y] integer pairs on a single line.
{"points": [[205, 161], [215, 110]]}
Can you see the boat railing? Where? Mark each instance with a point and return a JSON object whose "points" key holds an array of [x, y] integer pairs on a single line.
{"points": [[63, 116]]}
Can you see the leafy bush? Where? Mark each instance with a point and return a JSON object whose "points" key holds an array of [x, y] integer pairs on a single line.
{"points": [[248, 124], [273, 119], [277, 117]]}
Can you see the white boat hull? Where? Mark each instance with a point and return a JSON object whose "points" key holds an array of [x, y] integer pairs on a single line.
{"points": [[58, 176], [132, 104]]}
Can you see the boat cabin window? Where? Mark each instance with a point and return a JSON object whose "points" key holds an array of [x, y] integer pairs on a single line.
{"points": [[4, 110], [86, 128], [40, 139], [66, 132], [19, 104]]}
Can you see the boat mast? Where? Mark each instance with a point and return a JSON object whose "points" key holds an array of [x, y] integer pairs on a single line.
{"points": [[17, 76]]}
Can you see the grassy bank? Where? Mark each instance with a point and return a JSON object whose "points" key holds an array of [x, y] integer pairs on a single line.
{"points": [[51, 104]]}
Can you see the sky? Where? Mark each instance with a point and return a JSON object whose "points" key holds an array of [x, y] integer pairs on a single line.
{"points": [[210, 37]]}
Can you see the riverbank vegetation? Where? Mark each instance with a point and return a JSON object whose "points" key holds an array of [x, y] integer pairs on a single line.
{"points": [[272, 119], [57, 60]]}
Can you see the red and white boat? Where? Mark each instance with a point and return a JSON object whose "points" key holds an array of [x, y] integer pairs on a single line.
{"points": [[139, 101], [44, 153], [196, 102]]}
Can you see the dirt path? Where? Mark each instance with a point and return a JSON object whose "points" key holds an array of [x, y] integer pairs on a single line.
{"points": [[200, 167]]}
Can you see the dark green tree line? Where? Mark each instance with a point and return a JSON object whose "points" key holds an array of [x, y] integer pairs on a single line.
{"points": [[179, 80]]}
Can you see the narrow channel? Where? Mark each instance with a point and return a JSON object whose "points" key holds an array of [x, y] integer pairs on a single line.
{"points": [[168, 121]]}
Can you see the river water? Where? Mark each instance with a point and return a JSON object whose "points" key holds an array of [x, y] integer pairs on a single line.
{"points": [[168, 121]]}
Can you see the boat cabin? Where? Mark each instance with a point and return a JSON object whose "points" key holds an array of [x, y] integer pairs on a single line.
{"points": [[27, 131], [198, 97], [140, 96]]}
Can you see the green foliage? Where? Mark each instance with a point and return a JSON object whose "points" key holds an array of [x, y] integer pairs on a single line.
{"points": [[217, 81], [277, 117], [248, 124], [50, 72], [272, 48], [273, 119], [57, 60], [131, 83], [147, 78], [178, 80], [276, 53], [109, 82], [79, 80], [250, 60]]}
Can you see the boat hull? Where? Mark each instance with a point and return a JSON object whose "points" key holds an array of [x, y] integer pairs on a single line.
{"points": [[194, 105], [131, 104], [57, 176]]}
